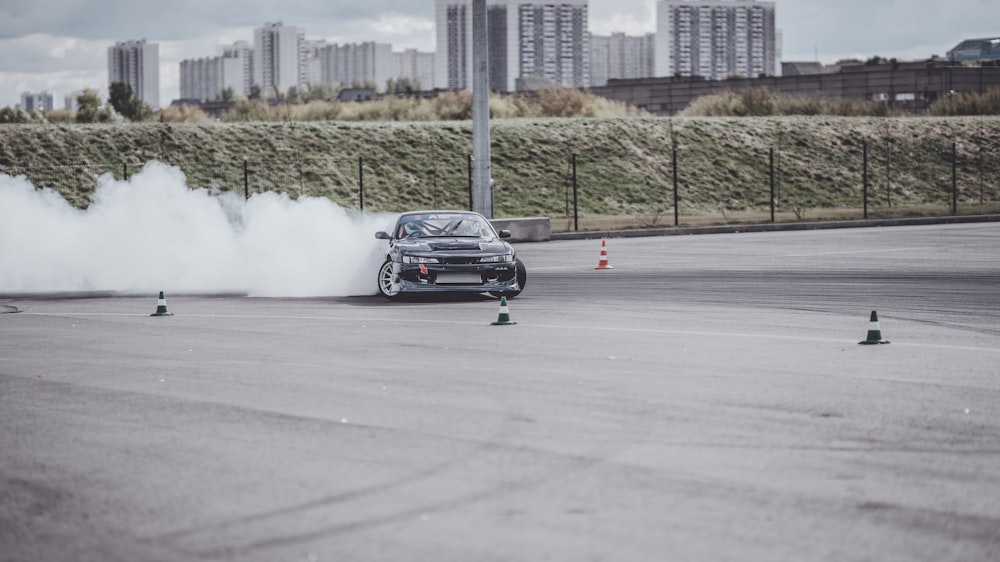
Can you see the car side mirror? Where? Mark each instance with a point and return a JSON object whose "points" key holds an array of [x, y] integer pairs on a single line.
{"points": [[382, 235], [505, 234]]}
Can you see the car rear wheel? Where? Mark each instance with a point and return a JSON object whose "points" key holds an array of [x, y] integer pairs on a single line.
{"points": [[386, 286], [522, 278]]}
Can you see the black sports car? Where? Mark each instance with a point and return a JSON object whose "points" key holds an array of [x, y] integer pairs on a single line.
{"points": [[451, 251]]}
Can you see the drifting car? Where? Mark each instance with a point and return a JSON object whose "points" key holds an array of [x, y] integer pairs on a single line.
{"points": [[449, 251]]}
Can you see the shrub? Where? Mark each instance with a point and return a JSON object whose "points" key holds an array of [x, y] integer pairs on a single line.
{"points": [[184, 113], [760, 102], [987, 103]]}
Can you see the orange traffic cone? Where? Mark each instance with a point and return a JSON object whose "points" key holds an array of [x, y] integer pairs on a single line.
{"points": [[603, 263]]}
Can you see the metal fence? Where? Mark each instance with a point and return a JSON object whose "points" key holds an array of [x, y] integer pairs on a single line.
{"points": [[887, 177]]}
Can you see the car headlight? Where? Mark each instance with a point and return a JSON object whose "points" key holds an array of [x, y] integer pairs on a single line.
{"points": [[419, 259], [502, 258]]}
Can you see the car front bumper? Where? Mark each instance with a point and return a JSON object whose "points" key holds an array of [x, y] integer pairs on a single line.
{"points": [[470, 278]]}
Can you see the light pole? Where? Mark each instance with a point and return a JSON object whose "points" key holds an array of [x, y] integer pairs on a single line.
{"points": [[482, 184]]}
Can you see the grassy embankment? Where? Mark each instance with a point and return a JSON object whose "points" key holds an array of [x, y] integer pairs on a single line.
{"points": [[624, 165]]}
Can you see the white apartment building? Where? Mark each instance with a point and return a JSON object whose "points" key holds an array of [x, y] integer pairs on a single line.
{"points": [[529, 42], [357, 63], [278, 58], [136, 63], [716, 39], [36, 101], [621, 56], [204, 79], [417, 66], [312, 61], [237, 67]]}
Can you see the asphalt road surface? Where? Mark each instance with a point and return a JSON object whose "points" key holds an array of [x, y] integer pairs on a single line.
{"points": [[706, 399]]}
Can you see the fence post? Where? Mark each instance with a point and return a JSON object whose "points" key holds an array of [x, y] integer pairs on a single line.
{"points": [[436, 192], [954, 178], [771, 167], [888, 173], [361, 182], [298, 164], [576, 209], [246, 179], [676, 207], [864, 176], [981, 189], [470, 183], [125, 170]]}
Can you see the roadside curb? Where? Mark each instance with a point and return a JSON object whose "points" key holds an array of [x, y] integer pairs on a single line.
{"points": [[772, 227]]}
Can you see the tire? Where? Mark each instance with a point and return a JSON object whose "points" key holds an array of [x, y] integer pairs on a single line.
{"points": [[522, 277], [384, 281]]}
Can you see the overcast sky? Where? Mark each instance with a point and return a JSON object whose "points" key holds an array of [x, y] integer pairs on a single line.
{"points": [[61, 45]]}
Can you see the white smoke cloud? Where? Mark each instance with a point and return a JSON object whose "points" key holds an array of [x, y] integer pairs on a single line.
{"points": [[153, 233]]}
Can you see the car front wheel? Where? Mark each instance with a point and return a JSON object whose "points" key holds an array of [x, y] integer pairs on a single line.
{"points": [[522, 278], [386, 287]]}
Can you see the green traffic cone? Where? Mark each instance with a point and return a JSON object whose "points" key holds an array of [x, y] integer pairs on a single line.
{"points": [[161, 307], [503, 319], [874, 332]]}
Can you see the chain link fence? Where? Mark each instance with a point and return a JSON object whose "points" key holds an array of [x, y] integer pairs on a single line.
{"points": [[879, 176]]}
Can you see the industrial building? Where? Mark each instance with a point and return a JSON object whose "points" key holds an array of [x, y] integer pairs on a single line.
{"points": [[912, 86]]}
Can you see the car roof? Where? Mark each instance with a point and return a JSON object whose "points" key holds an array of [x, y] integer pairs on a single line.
{"points": [[439, 212]]}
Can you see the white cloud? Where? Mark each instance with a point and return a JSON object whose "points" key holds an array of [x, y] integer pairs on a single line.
{"points": [[55, 37], [396, 24]]}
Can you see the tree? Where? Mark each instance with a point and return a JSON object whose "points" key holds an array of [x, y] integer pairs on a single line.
{"points": [[318, 92], [126, 103], [403, 85], [13, 115], [89, 106], [226, 94], [255, 92]]}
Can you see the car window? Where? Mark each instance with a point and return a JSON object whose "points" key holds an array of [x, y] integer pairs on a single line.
{"points": [[443, 225]]}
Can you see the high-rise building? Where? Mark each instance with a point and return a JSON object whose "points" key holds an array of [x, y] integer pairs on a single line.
{"points": [[278, 58], [312, 61], [716, 39], [36, 101], [528, 43], [620, 56], [358, 63], [199, 79], [205, 79], [415, 66], [136, 63], [237, 67]]}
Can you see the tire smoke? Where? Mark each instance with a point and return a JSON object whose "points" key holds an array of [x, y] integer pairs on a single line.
{"points": [[153, 233]]}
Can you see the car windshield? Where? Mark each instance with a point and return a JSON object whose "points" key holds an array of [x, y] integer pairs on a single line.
{"points": [[435, 225]]}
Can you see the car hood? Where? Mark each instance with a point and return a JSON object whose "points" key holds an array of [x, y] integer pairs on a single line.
{"points": [[474, 245]]}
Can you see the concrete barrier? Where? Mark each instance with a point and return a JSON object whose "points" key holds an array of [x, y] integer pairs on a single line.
{"points": [[527, 229], [772, 227]]}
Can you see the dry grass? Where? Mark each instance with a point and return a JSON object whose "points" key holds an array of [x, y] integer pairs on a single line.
{"points": [[624, 169], [761, 102], [446, 106]]}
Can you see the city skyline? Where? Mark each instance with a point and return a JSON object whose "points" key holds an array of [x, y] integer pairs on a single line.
{"points": [[44, 47]]}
